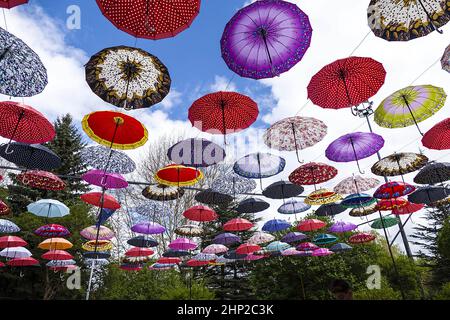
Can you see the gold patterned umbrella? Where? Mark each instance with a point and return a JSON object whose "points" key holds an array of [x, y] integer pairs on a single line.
{"points": [[399, 164], [322, 196], [99, 245]]}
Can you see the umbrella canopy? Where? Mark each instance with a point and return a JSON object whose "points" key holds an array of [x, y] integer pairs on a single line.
{"points": [[445, 60], [385, 222], [438, 137], [97, 255], [341, 226], [408, 209], [131, 266], [7, 226], [247, 248], [312, 173], [428, 195], [12, 241], [162, 192], [282, 190], [265, 39], [340, 247], [200, 214], [440, 203], [189, 230], [237, 224], [322, 196], [93, 233], [41, 180], [293, 207], [97, 245], [148, 228], [196, 263], [150, 208], [142, 242], [330, 209], [128, 78], [178, 175], [355, 184], [196, 153], [399, 164], [211, 197], [22, 262], [48, 208], [4, 209], [276, 225], [226, 239], [205, 257], [104, 215], [150, 19], [311, 225], [8, 4], [231, 183], [361, 238], [175, 253], [169, 260], [97, 262], [30, 156], [307, 246], [277, 246], [104, 179], [24, 124], [259, 165], [290, 252], [358, 200], [433, 173], [60, 263], [260, 238], [100, 199], [215, 249], [363, 211], [321, 252], [346, 82], [391, 204], [52, 231], [293, 237], [393, 189], [406, 20], [410, 106], [57, 255], [252, 205], [139, 252], [23, 74], [15, 252], [99, 157]]}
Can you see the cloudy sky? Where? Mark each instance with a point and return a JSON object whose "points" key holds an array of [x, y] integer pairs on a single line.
{"points": [[196, 67]]}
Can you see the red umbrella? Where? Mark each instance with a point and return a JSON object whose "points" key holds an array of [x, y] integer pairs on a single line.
{"points": [[41, 180], [223, 113], [178, 175], [139, 252], [99, 199], [310, 225], [361, 238], [393, 189], [157, 19], [57, 255], [237, 224], [408, 208], [200, 214], [247, 248], [346, 82], [438, 137], [12, 241], [196, 263], [8, 4], [312, 173], [22, 262], [63, 268], [4, 209], [2, 264], [391, 204], [169, 260]]}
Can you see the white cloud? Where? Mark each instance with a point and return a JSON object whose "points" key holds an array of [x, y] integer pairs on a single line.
{"points": [[223, 84]]}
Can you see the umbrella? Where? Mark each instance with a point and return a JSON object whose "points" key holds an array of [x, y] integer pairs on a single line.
{"points": [[322, 196], [96, 255], [277, 246], [237, 224], [15, 252], [393, 189], [438, 136], [293, 237], [175, 253], [189, 230], [433, 173], [358, 200], [330, 209], [310, 225], [341, 226], [295, 133], [97, 245], [41, 180], [104, 179], [93, 233], [12, 241], [196, 263], [7, 226], [169, 260], [440, 203], [355, 184], [363, 211], [409, 106], [247, 248], [346, 82], [324, 238], [354, 146], [290, 252], [200, 214], [445, 60], [162, 192], [148, 228], [161, 267], [260, 238], [231, 183], [57, 255], [131, 267], [211, 197], [23, 74], [390, 204], [150, 19], [321, 252], [399, 164], [60, 263], [307, 246], [276, 225], [253, 257], [128, 78], [265, 39], [226, 238], [142, 242], [361, 238], [408, 209], [8, 4], [223, 113], [97, 262], [340, 247], [252, 205], [406, 20], [259, 165], [139, 252], [48, 208], [104, 215], [196, 153], [223, 260], [52, 231], [63, 268], [282, 190], [205, 257], [22, 262], [101, 200], [385, 222], [428, 195], [30, 156], [4, 209], [215, 248], [178, 175], [99, 157], [293, 207], [312, 173]]}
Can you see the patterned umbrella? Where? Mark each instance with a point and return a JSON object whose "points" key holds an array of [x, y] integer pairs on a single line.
{"points": [[52, 231], [358, 200], [260, 238], [330, 209], [293, 207], [321, 252], [7, 226], [4, 209], [15, 252], [231, 183], [162, 192], [361, 238], [223, 113], [60, 263], [48, 208], [104, 179], [322, 196], [8, 4], [428, 195], [391, 204], [169, 260], [142, 242], [438, 137], [189, 230], [196, 153], [99, 157], [294, 237], [252, 205], [55, 244], [312, 173], [340, 247], [406, 20], [341, 226], [295, 133], [237, 224], [445, 60], [408, 209], [307, 246], [148, 228], [30, 156], [226, 238], [354, 146], [265, 39], [277, 246], [385, 222], [12, 241], [346, 82], [282, 190], [131, 267], [393, 189], [355, 184], [23, 74], [276, 225], [97, 245], [183, 244], [215, 248], [104, 233], [22, 262], [212, 197], [200, 214], [363, 211], [433, 173], [41, 180], [128, 78], [310, 225], [115, 130], [409, 106], [399, 164], [97, 262], [101, 200], [178, 175], [154, 20], [259, 165]]}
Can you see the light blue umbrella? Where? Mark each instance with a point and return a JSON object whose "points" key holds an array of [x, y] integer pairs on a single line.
{"points": [[7, 226], [340, 247], [48, 208], [293, 207], [277, 246]]}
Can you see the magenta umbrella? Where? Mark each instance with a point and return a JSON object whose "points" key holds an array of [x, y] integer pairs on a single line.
{"points": [[182, 244], [321, 252], [105, 180], [342, 226], [354, 146]]}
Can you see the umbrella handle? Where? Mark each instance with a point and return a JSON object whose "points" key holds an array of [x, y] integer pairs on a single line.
{"points": [[104, 181], [21, 274], [7, 151]]}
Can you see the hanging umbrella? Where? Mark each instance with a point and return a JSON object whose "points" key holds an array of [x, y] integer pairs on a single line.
{"points": [[139, 252], [265, 39], [149, 208], [231, 183], [170, 260], [97, 245], [277, 246], [399, 164], [30, 156], [96, 255], [57, 255], [253, 257], [223, 113], [354, 147], [148, 228], [440, 203], [99, 157], [204, 257], [433, 173], [104, 215], [363, 211], [294, 134], [100, 199], [330, 209], [408, 209], [385, 222], [410, 106], [200, 214], [212, 197], [322, 196], [290, 252], [445, 60], [162, 192], [226, 239], [428, 195], [195, 263], [104, 179], [215, 249], [358, 200], [41, 180], [276, 225], [406, 20], [355, 184], [196, 153], [12, 241], [311, 225], [96, 262], [293, 237], [340, 247], [161, 267], [93, 233], [131, 267], [142, 242], [150, 19], [175, 253], [23, 74], [307, 246], [8, 4], [438, 136], [4, 209], [321, 252], [312, 173], [341, 226], [391, 204], [346, 82], [282, 190], [259, 165], [247, 248], [52, 231], [252, 205], [293, 207], [48, 208], [178, 175], [260, 238], [128, 78], [361, 238], [22, 262], [237, 224], [7, 226], [393, 189], [189, 230], [60, 263], [15, 252]]}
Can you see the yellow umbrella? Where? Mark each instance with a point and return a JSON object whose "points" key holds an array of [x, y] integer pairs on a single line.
{"points": [[101, 245], [55, 244], [322, 196]]}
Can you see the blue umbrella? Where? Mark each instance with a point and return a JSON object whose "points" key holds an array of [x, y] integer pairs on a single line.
{"points": [[293, 236], [104, 215], [293, 207], [176, 253], [276, 225], [97, 255], [48, 208], [142, 242], [7, 226], [324, 238], [340, 247], [232, 255], [196, 153], [357, 200]]}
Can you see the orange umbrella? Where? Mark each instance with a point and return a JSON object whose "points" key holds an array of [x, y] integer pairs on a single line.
{"points": [[55, 244]]}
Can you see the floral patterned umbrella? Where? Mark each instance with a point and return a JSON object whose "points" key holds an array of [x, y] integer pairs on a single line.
{"points": [[393, 189], [293, 207], [41, 180], [438, 137], [215, 248], [356, 184], [410, 106], [189, 230], [23, 74], [52, 231], [231, 183], [433, 173], [408, 209], [295, 133], [313, 173], [391, 204], [161, 192], [322, 196], [98, 157], [260, 238], [93, 233], [445, 60], [399, 164], [363, 211], [259, 166], [361, 238]]}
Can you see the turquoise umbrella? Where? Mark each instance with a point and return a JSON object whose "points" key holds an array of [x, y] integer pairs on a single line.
{"points": [[48, 208], [324, 238]]}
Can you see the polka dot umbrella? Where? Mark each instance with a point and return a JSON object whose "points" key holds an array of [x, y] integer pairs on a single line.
{"points": [[433, 173], [313, 173], [41, 180], [438, 137], [30, 156], [8, 4]]}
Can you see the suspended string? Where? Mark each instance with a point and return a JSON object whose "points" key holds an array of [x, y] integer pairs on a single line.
{"points": [[4, 18], [425, 71], [360, 43]]}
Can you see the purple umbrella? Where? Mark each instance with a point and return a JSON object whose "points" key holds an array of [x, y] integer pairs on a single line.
{"points": [[196, 153], [294, 236], [104, 179], [182, 244], [342, 226], [226, 238], [148, 228], [265, 39], [354, 146]]}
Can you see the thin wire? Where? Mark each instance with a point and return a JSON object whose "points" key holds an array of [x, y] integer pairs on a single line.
{"points": [[303, 107], [425, 71], [360, 43], [4, 17]]}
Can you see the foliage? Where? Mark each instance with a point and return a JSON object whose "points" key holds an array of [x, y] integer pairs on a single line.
{"points": [[444, 292], [386, 292], [444, 240]]}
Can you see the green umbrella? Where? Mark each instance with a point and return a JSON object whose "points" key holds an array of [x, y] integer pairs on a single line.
{"points": [[387, 221]]}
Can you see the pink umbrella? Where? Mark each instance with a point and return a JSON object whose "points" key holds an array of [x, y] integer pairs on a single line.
{"points": [[310, 225], [215, 249], [290, 252], [321, 252], [253, 257], [182, 244], [307, 246], [104, 179]]}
